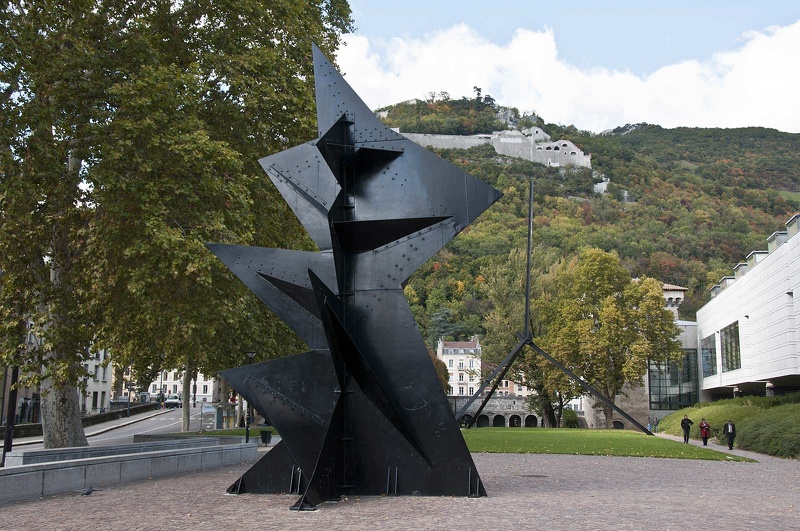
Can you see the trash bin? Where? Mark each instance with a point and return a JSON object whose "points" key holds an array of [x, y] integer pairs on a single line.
{"points": [[266, 437]]}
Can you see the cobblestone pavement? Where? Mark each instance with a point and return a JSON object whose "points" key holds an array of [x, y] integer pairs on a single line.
{"points": [[525, 491]]}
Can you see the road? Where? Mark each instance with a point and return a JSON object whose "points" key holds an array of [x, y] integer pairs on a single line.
{"points": [[165, 423]]}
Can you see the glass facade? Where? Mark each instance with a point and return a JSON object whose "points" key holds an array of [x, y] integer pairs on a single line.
{"points": [[708, 356], [674, 385], [729, 344]]}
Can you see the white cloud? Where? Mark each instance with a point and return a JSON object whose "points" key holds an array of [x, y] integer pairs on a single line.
{"points": [[755, 85]]}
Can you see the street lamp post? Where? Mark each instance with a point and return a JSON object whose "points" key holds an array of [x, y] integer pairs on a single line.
{"points": [[250, 355], [130, 378]]}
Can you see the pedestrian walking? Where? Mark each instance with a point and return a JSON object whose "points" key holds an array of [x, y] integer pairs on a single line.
{"points": [[655, 425], [705, 431], [686, 424], [729, 431]]}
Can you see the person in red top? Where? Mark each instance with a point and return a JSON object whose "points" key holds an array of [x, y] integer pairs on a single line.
{"points": [[705, 431]]}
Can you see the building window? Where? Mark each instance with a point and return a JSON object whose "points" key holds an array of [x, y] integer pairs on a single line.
{"points": [[461, 391], [175, 388], [471, 378], [674, 384], [104, 374], [205, 389], [460, 365], [450, 363], [471, 391], [94, 400], [103, 399], [471, 364], [155, 388], [729, 341], [519, 387], [96, 373], [505, 383], [708, 355], [460, 377]]}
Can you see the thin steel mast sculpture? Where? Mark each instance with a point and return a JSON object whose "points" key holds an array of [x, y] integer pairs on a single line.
{"points": [[526, 339], [363, 412]]}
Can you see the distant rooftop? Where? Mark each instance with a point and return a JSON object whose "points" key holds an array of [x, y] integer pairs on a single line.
{"points": [[459, 344]]}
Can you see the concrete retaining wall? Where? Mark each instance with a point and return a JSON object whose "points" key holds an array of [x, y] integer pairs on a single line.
{"points": [[222, 439], [33, 481], [32, 457]]}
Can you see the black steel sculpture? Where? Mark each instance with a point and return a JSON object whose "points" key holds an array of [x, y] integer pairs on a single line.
{"points": [[363, 412]]}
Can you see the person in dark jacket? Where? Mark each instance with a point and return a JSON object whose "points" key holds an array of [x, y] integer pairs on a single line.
{"points": [[729, 431], [686, 424], [705, 431]]}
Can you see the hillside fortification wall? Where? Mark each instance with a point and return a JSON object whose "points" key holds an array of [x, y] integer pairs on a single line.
{"points": [[533, 145]]}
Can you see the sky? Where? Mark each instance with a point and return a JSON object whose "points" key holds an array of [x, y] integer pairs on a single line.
{"points": [[596, 65]]}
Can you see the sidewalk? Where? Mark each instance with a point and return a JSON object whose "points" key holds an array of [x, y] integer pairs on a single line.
{"points": [[97, 429], [714, 445]]}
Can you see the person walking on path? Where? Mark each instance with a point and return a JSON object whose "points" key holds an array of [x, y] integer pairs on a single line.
{"points": [[729, 431], [655, 425], [705, 431], [686, 424]]}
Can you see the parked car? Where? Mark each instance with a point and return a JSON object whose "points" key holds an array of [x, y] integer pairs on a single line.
{"points": [[173, 401]]}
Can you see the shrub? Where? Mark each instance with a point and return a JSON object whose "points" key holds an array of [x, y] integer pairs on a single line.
{"points": [[569, 419], [774, 431]]}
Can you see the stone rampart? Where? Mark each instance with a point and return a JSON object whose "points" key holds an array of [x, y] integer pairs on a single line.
{"points": [[500, 411], [512, 144]]}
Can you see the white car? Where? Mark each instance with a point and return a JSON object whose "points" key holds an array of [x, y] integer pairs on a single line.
{"points": [[173, 401]]}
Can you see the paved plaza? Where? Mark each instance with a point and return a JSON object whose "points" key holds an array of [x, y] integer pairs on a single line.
{"points": [[525, 492]]}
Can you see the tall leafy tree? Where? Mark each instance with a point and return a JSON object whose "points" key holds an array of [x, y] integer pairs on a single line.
{"points": [[130, 136], [504, 286], [605, 326]]}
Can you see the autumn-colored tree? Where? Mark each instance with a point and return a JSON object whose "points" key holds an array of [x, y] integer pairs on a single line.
{"points": [[606, 326]]}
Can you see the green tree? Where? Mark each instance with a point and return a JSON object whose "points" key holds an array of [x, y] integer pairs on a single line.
{"points": [[130, 136], [441, 371], [505, 289], [605, 326]]}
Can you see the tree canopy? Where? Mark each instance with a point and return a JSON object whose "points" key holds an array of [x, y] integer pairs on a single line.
{"points": [[605, 326], [130, 136]]}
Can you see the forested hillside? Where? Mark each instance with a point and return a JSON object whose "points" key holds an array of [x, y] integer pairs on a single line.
{"points": [[698, 201]]}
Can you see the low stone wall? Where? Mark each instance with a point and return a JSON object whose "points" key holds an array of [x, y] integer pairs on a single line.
{"points": [[154, 437], [31, 457], [29, 482]]}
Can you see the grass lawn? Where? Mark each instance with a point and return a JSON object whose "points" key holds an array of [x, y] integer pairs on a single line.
{"points": [[585, 442]]}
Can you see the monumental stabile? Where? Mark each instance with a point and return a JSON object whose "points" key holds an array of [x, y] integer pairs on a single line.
{"points": [[363, 411]]}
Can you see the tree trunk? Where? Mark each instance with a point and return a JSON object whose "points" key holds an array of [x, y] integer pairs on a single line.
{"points": [[62, 426], [239, 408], [608, 411], [186, 400], [546, 404]]}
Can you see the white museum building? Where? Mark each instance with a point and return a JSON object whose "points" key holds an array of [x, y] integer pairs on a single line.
{"points": [[749, 330]]}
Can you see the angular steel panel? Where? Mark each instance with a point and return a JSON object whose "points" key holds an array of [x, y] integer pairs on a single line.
{"points": [[363, 413]]}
